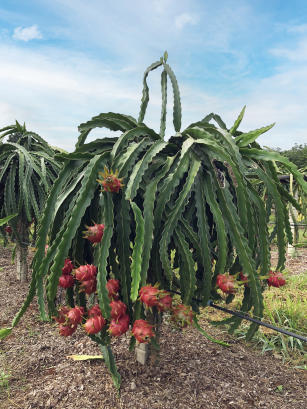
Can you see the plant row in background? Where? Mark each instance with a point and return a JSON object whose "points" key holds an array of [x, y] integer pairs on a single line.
{"points": [[185, 215]]}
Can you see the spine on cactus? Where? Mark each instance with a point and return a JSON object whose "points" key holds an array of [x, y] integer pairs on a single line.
{"points": [[177, 213]]}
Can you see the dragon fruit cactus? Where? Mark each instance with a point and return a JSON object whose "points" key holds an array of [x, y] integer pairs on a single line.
{"points": [[119, 325], [68, 267], [86, 272], [142, 331], [151, 296], [94, 233], [94, 324], [182, 315], [118, 309], [66, 281], [113, 288], [226, 283], [110, 181], [276, 279], [75, 315]]}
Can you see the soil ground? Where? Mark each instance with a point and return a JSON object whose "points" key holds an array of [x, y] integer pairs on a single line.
{"points": [[193, 373]]}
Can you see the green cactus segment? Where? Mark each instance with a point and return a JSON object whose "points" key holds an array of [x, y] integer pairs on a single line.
{"points": [[164, 103], [89, 185], [177, 102], [111, 365], [136, 263], [104, 249], [204, 333], [204, 239], [237, 122], [172, 220], [186, 269]]}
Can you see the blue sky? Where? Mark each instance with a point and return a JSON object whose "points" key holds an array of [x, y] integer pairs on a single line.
{"points": [[64, 61]]}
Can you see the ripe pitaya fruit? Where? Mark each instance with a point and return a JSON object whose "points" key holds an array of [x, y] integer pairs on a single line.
{"points": [[68, 267], [149, 295], [110, 181], [86, 272], [113, 288], [226, 283], [164, 301], [142, 331], [89, 286], [182, 315], [75, 315], [95, 310], [118, 309], [46, 249], [66, 330], [94, 233], [8, 229], [119, 326], [94, 324], [62, 315], [66, 281], [244, 279], [276, 279]]}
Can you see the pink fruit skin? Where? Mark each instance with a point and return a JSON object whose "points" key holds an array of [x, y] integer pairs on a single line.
{"points": [[68, 267], [94, 324], [94, 233], [89, 286], [119, 326], [164, 302], [95, 310], [226, 283], [142, 331], [112, 287], [182, 315], [112, 184], [149, 296], [86, 273], [75, 315], [66, 330], [66, 281], [62, 315], [276, 279], [118, 309]]}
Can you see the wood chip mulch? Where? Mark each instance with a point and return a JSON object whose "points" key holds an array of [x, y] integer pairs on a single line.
{"points": [[192, 373]]}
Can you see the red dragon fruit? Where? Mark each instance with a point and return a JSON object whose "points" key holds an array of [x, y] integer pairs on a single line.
{"points": [[244, 278], [119, 326], [164, 301], [93, 325], [226, 283], [8, 229], [113, 288], [89, 286], [62, 315], [95, 310], [276, 279], [68, 267], [142, 331], [66, 281], [182, 315], [86, 272], [75, 315], [118, 309], [94, 233], [110, 181], [66, 330], [149, 295]]}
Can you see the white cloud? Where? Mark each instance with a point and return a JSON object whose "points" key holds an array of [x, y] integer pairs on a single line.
{"points": [[300, 29], [298, 53], [27, 33], [184, 19]]}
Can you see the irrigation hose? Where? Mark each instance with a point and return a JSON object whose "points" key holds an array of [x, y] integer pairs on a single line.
{"points": [[248, 318]]}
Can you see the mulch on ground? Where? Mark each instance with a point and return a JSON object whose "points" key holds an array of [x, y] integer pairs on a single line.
{"points": [[192, 373]]}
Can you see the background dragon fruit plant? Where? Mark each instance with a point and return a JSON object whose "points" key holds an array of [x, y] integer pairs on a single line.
{"points": [[177, 215]]}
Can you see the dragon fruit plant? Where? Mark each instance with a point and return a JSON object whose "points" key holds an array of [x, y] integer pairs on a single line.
{"points": [[196, 195]]}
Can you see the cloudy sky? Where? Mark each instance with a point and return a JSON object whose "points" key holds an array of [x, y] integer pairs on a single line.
{"points": [[64, 61]]}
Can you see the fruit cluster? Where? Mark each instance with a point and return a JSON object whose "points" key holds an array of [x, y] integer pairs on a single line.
{"points": [[228, 283]]}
